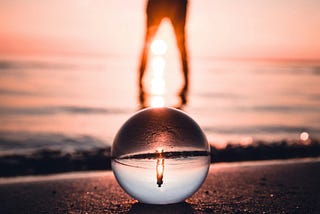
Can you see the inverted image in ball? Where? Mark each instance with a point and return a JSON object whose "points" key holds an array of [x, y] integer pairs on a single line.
{"points": [[160, 156]]}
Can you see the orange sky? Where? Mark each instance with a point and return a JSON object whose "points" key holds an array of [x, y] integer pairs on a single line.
{"points": [[219, 28]]}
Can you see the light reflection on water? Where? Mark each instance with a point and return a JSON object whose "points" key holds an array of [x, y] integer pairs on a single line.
{"points": [[231, 101]]}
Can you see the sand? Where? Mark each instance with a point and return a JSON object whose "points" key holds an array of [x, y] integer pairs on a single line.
{"points": [[252, 187]]}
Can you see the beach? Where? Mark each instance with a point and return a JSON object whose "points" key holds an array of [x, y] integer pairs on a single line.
{"points": [[288, 186], [49, 126], [73, 73]]}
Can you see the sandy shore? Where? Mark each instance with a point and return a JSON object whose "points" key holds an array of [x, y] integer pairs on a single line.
{"points": [[252, 187]]}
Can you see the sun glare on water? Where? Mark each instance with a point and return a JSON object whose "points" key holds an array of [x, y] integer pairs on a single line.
{"points": [[159, 47], [158, 65], [157, 101]]}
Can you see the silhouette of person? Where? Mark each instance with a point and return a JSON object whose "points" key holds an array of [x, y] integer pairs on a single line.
{"points": [[176, 12]]}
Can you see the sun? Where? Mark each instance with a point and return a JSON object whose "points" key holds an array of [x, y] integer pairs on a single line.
{"points": [[159, 47]]}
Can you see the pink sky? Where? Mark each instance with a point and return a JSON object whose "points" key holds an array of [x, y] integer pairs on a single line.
{"points": [[219, 28]]}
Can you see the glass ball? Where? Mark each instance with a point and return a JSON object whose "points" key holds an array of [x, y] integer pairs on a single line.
{"points": [[160, 156]]}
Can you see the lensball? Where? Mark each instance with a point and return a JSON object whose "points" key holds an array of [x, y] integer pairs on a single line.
{"points": [[160, 156]]}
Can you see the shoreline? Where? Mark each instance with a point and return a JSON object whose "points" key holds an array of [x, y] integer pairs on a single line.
{"points": [[44, 162]]}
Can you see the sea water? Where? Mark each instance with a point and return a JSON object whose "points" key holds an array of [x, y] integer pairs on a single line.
{"points": [[80, 103]]}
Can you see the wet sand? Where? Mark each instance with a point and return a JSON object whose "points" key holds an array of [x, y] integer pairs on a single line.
{"points": [[250, 187]]}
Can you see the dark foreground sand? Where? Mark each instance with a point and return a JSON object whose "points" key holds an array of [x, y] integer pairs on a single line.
{"points": [[257, 187]]}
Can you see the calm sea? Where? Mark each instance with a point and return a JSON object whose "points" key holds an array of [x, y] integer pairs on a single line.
{"points": [[79, 103]]}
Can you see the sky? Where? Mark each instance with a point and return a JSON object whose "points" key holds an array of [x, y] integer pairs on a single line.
{"points": [[216, 28]]}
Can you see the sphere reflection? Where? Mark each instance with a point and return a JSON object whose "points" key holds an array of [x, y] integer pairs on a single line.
{"points": [[160, 156]]}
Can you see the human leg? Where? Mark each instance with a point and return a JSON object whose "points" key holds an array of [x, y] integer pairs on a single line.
{"points": [[178, 21], [152, 25]]}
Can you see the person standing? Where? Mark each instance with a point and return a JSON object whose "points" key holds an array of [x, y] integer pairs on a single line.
{"points": [[176, 12]]}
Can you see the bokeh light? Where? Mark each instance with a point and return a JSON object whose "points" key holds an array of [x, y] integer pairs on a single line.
{"points": [[304, 136]]}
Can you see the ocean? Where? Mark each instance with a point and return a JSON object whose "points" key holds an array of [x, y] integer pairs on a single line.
{"points": [[79, 102]]}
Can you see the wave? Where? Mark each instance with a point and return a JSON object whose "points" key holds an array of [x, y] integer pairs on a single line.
{"points": [[281, 108], [30, 142], [270, 108], [12, 65], [4, 91], [261, 129], [52, 110]]}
